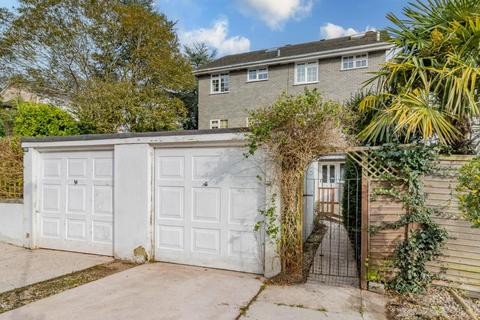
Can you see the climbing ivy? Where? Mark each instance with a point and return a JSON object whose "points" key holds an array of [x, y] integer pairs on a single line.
{"points": [[469, 186], [423, 243]]}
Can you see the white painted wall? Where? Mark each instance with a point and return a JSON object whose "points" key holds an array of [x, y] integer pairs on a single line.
{"points": [[132, 199], [309, 188], [133, 186], [11, 223]]}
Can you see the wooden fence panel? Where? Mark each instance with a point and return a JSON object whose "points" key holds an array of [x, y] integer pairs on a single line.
{"points": [[459, 264]]}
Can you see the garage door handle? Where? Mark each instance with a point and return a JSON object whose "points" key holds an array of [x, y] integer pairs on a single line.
{"points": [[205, 184]]}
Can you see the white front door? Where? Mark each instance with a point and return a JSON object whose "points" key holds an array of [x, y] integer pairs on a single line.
{"points": [[206, 205], [330, 178], [75, 211]]}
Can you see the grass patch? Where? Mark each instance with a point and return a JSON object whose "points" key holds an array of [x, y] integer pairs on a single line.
{"points": [[19, 297]]}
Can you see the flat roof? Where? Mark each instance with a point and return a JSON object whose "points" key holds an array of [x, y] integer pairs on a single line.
{"points": [[89, 137], [180, 138]]}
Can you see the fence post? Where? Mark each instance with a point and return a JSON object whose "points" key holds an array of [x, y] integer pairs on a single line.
{"points": [[364, 234]]}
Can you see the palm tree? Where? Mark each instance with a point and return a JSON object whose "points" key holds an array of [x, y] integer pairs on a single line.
{"points": [[429, 89]]}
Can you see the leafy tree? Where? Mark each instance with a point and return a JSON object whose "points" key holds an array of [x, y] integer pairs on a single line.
{"points": [[40, 120], [73, 49], [197, 54], [430, 88]]}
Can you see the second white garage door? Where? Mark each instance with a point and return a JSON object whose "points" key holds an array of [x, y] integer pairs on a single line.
{"points": [[206, 205], [76, 202]]}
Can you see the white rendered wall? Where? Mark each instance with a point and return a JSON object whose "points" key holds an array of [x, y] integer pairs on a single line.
{"points": [[11, 223], [133, 187], [132, 200], [309, 199]]}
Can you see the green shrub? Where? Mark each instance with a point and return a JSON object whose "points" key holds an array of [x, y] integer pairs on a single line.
{"points": [[469, 185], [2, 128], [40, 120], [7, 118], [352, 204], [11, 169]]}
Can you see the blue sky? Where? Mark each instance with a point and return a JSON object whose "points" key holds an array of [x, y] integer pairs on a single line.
{"points": [[233, 26]]}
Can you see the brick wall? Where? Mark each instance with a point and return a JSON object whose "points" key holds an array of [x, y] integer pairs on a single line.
{"points": [[243, 96]]}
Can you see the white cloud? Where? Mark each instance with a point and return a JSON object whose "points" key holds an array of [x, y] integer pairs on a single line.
{"points": [[276, 12], [330, 30], [217, 37]]}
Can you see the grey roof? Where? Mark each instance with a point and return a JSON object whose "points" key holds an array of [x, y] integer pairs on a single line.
{"points": [[370, 37]]}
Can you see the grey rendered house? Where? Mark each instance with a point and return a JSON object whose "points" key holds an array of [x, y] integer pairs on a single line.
{"points": [[232, 85]]}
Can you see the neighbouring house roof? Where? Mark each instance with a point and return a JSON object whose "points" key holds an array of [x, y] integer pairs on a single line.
{"points": [[367, 41]]}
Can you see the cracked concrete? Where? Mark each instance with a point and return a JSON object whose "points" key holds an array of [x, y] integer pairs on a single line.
{"points": [[151, 291], [314, 301]]}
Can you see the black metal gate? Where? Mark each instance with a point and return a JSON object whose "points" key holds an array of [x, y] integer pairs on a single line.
{"points": [[336, 206]]}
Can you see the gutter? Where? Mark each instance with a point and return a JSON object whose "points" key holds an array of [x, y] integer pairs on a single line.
{"points": [[289, 59]]}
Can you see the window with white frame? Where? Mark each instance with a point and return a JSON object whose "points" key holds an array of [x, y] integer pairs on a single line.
{"points": [[257, 74], [218, 124], [219, 83], [354, 62], [306, 72]]}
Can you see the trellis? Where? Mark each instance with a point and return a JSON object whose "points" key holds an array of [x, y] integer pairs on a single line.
{"points": [[371, 166]]}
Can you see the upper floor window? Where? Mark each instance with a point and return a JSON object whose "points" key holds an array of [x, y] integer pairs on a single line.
{"points": [[219, 83], [218, 124], [306, 72], [257, 74], [354, 62]]}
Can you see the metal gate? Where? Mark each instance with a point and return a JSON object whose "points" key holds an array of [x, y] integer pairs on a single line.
{"points": [[336, 206]]}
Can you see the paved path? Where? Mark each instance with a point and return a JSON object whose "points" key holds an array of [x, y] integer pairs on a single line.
{"points": [[334, 262], [151, 291], [309, 302], [20, 267]]}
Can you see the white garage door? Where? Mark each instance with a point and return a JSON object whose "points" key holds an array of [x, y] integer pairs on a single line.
{"points": [[207, 202], [76, 202]]}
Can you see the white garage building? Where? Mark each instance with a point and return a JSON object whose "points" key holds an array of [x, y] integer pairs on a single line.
{"points": [[186, 197]]}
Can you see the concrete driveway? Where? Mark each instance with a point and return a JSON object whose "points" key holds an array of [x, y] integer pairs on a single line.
{"points": [[315, 302], [150, 291], [20, 267]]}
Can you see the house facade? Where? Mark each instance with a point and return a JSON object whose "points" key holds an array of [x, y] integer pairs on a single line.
{"points": [[233, 85]]}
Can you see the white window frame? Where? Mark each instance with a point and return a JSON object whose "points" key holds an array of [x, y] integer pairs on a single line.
{"points": [[306, 63], [217, 123], [356, 57], [256, 74], [218, 77]]}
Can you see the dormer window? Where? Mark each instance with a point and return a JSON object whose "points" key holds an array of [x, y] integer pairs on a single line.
{"points": [[306, 72], [260, 74], [219, 83], [355, 62]]}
